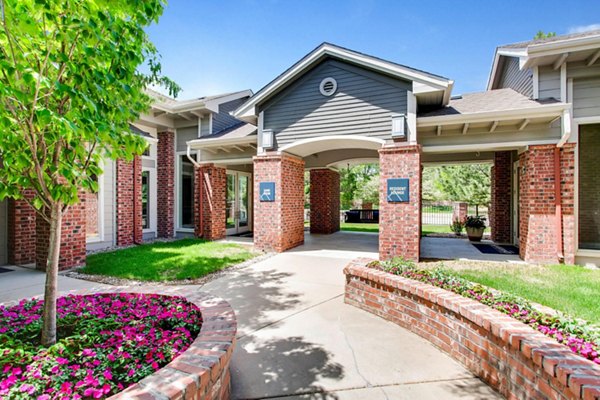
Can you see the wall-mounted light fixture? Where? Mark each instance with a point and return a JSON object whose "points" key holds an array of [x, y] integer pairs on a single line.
{"points": [[398, 126], [267, 139]]}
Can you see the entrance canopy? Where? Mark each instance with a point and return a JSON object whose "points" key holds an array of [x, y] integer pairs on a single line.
{"points": [[306, 147]]}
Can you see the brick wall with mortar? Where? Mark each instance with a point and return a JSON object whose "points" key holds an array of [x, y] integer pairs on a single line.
{"points": [[513, 358], [129, 202], [400, 223], [537, 219], [21, 231], [324, 201], [165, 180], [279, 225], [73, 238], [501, 177], [210, 191], [459, 211]]}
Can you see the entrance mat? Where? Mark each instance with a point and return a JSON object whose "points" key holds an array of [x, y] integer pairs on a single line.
{"points": [[2, 269], [495, 248]]}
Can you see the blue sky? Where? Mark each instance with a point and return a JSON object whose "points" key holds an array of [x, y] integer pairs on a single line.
{"points": [[211, 47]]}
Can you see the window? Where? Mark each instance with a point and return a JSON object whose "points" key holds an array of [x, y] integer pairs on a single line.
{"points": [[186, 193], [145, 199], [589, 187], [93, 212]]}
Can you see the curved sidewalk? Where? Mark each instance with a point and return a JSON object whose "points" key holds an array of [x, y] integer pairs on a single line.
{"points": [[297, 338]]}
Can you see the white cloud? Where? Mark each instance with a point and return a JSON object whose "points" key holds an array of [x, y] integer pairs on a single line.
{"points": [[583, 28]]}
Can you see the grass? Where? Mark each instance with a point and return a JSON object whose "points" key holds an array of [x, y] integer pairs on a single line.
{"points": [[166, 261], [358, 227], [571, 289], [429, 229]]}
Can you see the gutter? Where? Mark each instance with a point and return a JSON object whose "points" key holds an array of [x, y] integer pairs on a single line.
{"points": [[558, 214]]}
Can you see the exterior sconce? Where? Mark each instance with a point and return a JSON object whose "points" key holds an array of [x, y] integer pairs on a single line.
{"points": [[398, 124], [267, 139]]}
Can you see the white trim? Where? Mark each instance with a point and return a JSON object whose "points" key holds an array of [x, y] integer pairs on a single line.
{"points": [[563, 82], [324, 82], [226, 161], [368, 142], [236, 174], [200, 143], [485, 146], [247, 110], [411, 117], [100, 209], [549, 110], [351, 161], [210, 124], [536, 83]]}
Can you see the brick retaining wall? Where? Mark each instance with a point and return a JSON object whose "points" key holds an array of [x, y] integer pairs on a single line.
{"points": [[510, 356]]}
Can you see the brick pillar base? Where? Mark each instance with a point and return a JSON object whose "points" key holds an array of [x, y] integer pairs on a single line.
{"points": [[129, 202], [21, 231], [165, 180], [279, 225], [400, 223], [324, 201], [210, 191], [72, 247], [500, 196], [538, 228]]}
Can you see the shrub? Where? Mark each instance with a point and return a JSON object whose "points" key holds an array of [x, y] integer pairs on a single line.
{"points": [[107, 342], [475, 221], [457, 226], [580, 336]]}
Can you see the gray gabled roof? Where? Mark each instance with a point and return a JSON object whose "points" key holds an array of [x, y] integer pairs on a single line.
{"points": [[491, 100], [559, 38]]}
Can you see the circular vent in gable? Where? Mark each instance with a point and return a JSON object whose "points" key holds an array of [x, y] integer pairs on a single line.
{"points": [[328, 86]]}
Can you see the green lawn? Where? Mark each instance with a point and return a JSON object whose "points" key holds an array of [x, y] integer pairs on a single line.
{"points": [[165, 261], [429, 229], [357, 227], [571, 289]]}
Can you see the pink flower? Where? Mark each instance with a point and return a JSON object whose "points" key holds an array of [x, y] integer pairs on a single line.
{"points": [[107, 374]]}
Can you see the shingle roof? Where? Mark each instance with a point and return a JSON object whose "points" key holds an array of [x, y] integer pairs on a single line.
{"points": [[522, 45], [240, 130], [491, 100]]}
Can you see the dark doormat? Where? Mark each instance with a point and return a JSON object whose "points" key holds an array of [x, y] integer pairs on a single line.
{"points": [[2, 269], [495, 248]]}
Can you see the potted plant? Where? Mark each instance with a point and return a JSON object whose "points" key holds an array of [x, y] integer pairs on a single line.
{"points": [[457, 226], [475, 225]]}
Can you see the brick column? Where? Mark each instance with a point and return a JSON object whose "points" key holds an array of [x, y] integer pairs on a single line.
{"points": [[279, 225], [21, 231], [210, 191], [129, 202], [460, 211], [538, 233], [165, 174], [73, 241], [324, 201], [501, 197], [400, 223]]}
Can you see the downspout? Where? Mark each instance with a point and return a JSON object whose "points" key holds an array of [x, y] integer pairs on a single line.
{"points": [[558, 215], [201, 185], [136, 189]]}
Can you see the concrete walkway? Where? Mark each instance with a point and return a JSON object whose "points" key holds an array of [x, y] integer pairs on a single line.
{"points": [[25, 283], [297, 338], [460, 249]]}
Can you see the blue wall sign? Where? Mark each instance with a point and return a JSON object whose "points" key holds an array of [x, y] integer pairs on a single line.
{"points": [[266, 191], [398, 190]]}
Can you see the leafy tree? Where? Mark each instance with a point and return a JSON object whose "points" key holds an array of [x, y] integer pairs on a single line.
{"points": [[469, 183], [351, 179], [70, 83], [368, 192], [541, 35]]}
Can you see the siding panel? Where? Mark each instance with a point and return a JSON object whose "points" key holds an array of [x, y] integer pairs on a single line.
{"points": [[223, 120], [185, 134], [586, 97], [362, 105], [516, 79], [549, 83]]}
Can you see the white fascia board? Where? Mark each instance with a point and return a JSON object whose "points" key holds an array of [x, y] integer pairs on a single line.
{"points": [[542, 111], [492, 76], [213, 104], [459, 148], [200, 143], [150, 140], [249, 108]]}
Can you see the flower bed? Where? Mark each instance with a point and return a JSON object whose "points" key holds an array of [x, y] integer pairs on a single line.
{"points": [[107, 342], [579, 336]]}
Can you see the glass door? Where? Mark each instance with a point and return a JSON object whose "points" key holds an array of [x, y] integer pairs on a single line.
{"points": [[238, 209]]}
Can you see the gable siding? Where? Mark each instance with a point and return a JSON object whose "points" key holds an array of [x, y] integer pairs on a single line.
{"points": [[362, 105], [183, 135], [222, 120], [549, 83], [514, 78], [586, 97]]}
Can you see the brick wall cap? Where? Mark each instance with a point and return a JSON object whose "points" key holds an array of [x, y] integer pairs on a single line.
{"points": [[558, 360]]}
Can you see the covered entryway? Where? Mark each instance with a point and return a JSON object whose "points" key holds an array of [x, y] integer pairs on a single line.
{"points": [[238, 202]]}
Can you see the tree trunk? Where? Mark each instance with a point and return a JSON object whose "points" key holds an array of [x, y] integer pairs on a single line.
{"points": [[49, 315], [477, 209]]}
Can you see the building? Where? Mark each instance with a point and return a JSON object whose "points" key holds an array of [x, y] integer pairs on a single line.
{"points": [[228, 164]]}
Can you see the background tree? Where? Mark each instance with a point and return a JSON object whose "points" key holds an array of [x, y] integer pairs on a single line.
{"points": [[70, 84], [469, 183], [368, 192], [541, 35], [351, 179]]}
